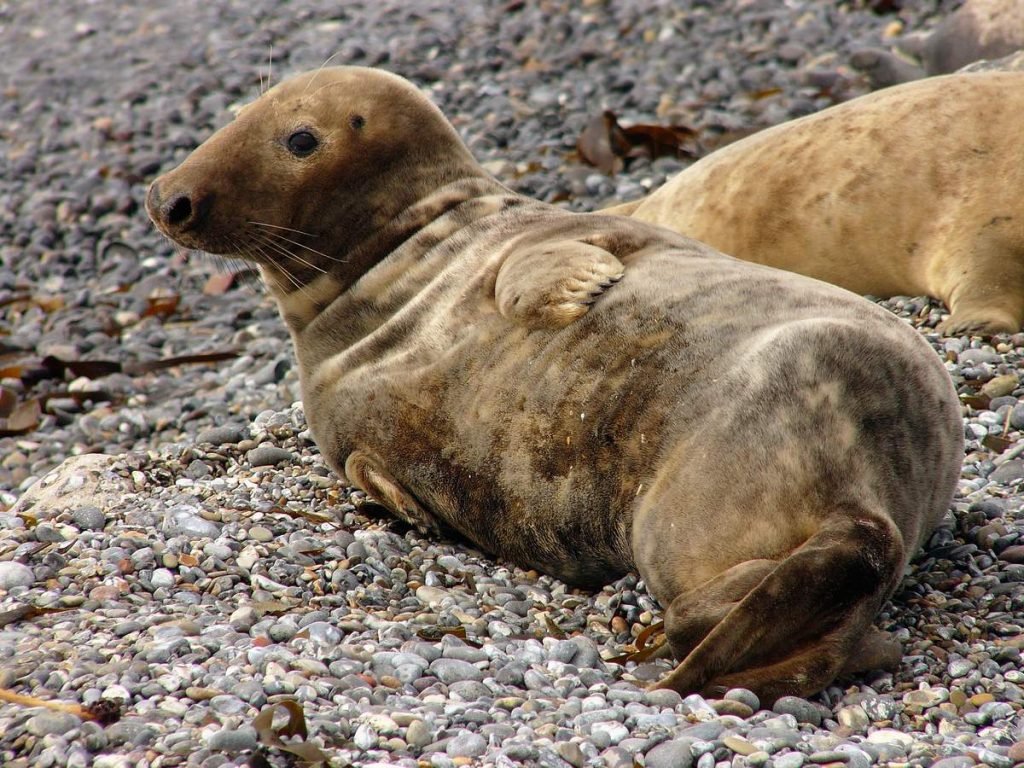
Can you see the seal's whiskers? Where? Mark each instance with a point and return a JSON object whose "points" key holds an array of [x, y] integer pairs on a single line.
{"points": [[256, 253], [286, 229], [276, 236], [283, 250]]}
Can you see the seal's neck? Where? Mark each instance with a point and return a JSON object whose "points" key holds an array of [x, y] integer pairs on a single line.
{"points": [[368, 222], [384, 268]]}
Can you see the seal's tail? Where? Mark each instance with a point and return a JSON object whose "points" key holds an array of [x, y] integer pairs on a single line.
{"points": [[788, 627]]}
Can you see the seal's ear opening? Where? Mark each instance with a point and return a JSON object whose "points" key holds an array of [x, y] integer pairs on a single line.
{"points": [[357, 122]]}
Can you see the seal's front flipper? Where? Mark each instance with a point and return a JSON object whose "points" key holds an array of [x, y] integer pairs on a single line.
{"points": [[983, 285], [799, 626], [979, 321], [367, 474], [553, 284]]}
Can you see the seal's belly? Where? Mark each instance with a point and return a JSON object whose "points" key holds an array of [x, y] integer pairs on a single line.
{"points": [[534, 450], [535, 445]]}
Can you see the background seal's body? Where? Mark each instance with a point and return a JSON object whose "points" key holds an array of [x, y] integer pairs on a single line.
{"points": [[911, 190]]}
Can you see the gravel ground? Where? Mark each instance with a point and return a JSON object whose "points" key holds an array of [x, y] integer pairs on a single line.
{"points": [[210, 566]]}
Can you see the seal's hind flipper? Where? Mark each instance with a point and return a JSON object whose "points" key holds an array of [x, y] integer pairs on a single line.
{"points": [[799, 626], [551, 285], [367, 474]]}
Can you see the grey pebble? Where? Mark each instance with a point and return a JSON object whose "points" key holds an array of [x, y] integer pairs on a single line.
{"points": [[828, 756], [225, 704], [570, 752], [13, 574], [703, 731], [269, 455], [957, 761], [162, 577], [52, 723], [995, 759], [418, 734], [89, 518], [224, 434], [237, 740], [743, 696], [670, 754], [960, 667], [466, 744], [801, 709], [1009, 472], [183, 520], [243, 618], [1017, 416], [452, 671], [663, 697]]}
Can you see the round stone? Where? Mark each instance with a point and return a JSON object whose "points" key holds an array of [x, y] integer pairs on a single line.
{"points": [[450, 671], [743, 696], [926, 697], [224, 434], [663, 697], [89, 518], [891, 736], [570, 752], [238, 740], [854, 717], [960, 667], [365, 737], [52, 723], [466, 744], [163, 578], [269, 455], [670, 754], [261, 534], [739, 745], [732, 707], [242, 619], [418, 734], [801, 709], [225, 704], [789, 760], [14, 574]]}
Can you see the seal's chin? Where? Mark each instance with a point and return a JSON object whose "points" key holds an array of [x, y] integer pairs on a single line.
{"points": [[212, 244]]}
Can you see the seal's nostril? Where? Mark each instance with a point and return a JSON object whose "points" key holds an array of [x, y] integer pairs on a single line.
{"points": [[179, 211]]}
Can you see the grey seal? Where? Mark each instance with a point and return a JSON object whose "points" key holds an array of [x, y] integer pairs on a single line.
{"points": [[582, 394]]}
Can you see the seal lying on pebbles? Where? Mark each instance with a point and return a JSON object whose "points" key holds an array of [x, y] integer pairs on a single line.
{"points": [[978, 30], [912, 190], [767, 451]]}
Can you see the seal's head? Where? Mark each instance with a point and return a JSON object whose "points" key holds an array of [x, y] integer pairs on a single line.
{"points": [[310, 170]]}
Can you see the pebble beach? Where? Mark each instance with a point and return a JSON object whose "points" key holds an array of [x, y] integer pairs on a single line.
{"points": [[173, 544]]}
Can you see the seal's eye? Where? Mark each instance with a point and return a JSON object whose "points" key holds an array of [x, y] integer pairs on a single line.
{"points": [[302, 143]]}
